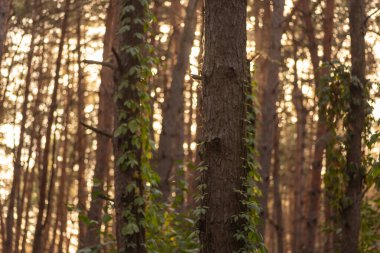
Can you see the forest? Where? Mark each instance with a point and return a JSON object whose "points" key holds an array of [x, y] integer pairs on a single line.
{"points": [[186, 126]]}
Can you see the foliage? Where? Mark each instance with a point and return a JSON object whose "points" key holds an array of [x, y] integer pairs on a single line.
{"points": [[335, 98], [253, 240], [370, 230]]}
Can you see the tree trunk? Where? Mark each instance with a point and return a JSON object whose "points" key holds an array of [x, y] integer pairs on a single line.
{"points": [[314, 193], [37, 243], [103, 152], [5, 7], [268, 106], [22, 199], [50, 196], [27, 209], [195, 175], [299, 177], [63, 185], [170, 153], [129, 188], [81, 134], [8, 244], [223, 123], [355, 125], [277, 192]]}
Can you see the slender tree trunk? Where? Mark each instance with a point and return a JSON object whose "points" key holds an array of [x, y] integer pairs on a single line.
{"points": [[22, 199], [8, 244], [103, 152], [61, 209], [313, 203], [81, 134], [268, 107], [50, 197], [299, 177], [37, 243], [27, 209], [2, 224], [355, 125], [189, 174], [5, 8], [262, 13], [223, 123], [170, 152], [193, 180], [277, 192], [37, 167], [129, 186]]}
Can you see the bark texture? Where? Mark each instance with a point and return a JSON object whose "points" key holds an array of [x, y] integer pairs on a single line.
{"points": [[314, 194], [355, 126], [223, 124], [103, 151], [268, 105], [278, 213], [170, 152], [81, 134]]}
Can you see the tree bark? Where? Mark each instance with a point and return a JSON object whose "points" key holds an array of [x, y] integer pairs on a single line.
{"points": [[170, 153], [37, 243], [355, 125], [81, 134], [103, 152], [268, 105], [299, 173], [277, 191], [223, 113]]}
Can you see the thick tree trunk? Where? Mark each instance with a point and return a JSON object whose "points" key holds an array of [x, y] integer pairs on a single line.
{"points": [[103, 151], [5, 7], [170, 153], [223, 113], [37, 243], [129, 186], [355, 125], [268, 105]]}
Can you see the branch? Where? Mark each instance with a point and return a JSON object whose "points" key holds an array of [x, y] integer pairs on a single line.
{"points": [[196, 77], [118, 60], [370, 15], [96, 130], [105, 64]]}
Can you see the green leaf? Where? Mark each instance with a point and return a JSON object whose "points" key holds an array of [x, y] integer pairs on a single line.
{"points": [[106, 218], [121, 130], [130, 229], [133, 125]]}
